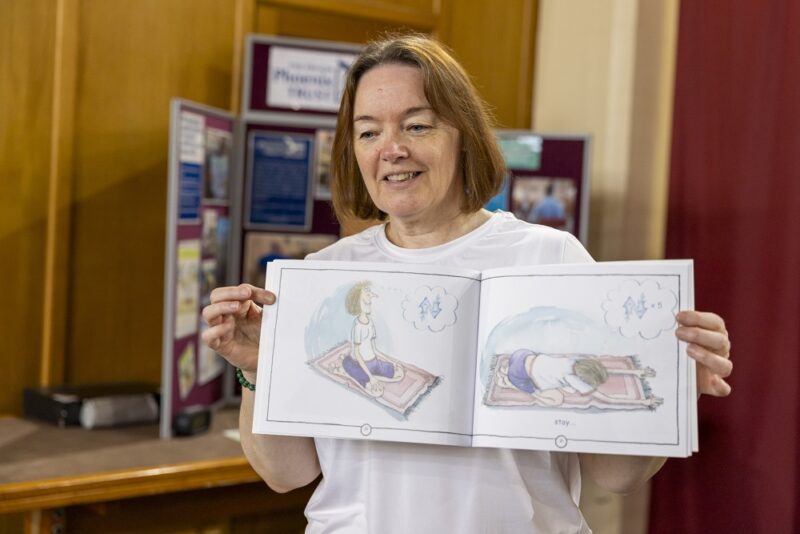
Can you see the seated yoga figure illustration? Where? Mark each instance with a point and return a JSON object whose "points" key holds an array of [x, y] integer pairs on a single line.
{"points": [[365, 364], [547, 378]]}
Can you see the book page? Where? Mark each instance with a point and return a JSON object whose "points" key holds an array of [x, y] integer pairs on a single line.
{"points": [[584, 358], [368, 351]]}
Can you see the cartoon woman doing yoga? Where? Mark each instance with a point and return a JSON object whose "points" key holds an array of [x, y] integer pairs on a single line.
{"points": [[365, 364], [547, 378]]}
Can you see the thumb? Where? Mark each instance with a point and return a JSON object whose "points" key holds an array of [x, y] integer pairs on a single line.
{"points": [[262, 296]]}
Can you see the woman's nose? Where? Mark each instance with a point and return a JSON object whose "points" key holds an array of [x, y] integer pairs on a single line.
{"points": [[393, 149]]}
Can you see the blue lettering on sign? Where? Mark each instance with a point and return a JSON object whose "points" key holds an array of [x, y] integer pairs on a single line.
{"points": [[190, 191], [285, 75]]}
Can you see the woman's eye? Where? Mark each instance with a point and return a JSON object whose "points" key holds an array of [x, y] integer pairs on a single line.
{"points": [[366, 135], [418, 127]]}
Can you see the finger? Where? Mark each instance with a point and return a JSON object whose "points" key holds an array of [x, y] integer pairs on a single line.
{"points": [[262, 296], [712, 340], [217, 335], [707, 320], [719, 388], [239, 293], [213, 312], [715, 363]]}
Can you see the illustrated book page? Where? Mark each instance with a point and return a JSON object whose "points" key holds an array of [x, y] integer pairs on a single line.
{"points": [[372, 351], [565, 357], [584, 358]]}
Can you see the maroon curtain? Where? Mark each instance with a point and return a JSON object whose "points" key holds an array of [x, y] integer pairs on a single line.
{"points": [[734, 206]]}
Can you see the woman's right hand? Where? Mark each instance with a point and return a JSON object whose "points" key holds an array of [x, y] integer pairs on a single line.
{"points": [[234, 323]]}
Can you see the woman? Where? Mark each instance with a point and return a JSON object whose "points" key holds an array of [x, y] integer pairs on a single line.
{"points": [[414, 147], [366, 364]]}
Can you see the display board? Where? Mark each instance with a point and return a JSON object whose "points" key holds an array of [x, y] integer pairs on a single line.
{"points": [[197, 253], [242, 193], [547, 181]]}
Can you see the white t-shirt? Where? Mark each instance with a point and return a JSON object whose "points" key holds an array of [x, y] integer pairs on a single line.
{"points": [[557, 372], [362, 335], [386, 488]]}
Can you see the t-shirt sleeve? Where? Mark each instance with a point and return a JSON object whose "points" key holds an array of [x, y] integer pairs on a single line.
{"points": [[579, 385], [574, 251]]}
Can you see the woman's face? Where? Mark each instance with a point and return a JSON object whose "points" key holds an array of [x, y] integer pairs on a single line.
{"points": [[365, 300], [408, 157]]}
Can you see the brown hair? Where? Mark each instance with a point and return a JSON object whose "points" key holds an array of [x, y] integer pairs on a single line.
{"points": [[452, 97], [352, 302], [590, 371]]}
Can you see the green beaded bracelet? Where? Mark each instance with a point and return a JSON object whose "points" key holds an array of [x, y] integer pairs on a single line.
{"points": [[243, 381]]}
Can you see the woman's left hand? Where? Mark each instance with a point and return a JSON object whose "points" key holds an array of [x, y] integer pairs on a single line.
{"points": [[709, 345]]}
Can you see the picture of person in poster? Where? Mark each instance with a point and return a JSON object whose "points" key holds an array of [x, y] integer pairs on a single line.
{"points": [[546, 201], [550, 208], [324, 142], [260, 248], [218, 158]]}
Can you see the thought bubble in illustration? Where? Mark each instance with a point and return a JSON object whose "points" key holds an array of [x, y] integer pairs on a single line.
{"points": [[430, 309], [640, 309]]}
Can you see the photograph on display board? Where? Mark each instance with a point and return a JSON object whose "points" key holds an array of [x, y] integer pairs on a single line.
{"points": [[500, 200], [544, 200], [219, 144], [324, 142], [209, 364], [262, 248], [208, 280], [188, 274], [187, 371], [215, 241], [211, 244]]}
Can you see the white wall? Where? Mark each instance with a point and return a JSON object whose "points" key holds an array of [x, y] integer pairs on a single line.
{"points": [[606, 67]]}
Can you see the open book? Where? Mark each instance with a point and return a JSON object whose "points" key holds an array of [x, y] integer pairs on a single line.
{"points": [[558, 357]]}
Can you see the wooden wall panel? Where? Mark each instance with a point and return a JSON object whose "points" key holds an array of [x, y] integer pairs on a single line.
{"points": [[297, 22], [396, 13], [133, 57], [26, 76], [495, 43]]}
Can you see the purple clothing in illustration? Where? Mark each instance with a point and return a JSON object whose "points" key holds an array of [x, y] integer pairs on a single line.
{"points": [[376, 367], [517, 374]]}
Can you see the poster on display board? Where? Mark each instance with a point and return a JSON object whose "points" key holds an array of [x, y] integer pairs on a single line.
{"points": [[547, 181], [294, 79], [198, 245], [279, 180]]}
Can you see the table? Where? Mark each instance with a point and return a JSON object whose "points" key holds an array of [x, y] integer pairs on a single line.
{"points": [[52, 473]]}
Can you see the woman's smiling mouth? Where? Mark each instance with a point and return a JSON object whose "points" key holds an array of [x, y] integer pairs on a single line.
{"points": [[402, 177]]}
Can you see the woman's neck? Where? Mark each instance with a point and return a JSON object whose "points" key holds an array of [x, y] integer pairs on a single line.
{"points": [[433, 233]]}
